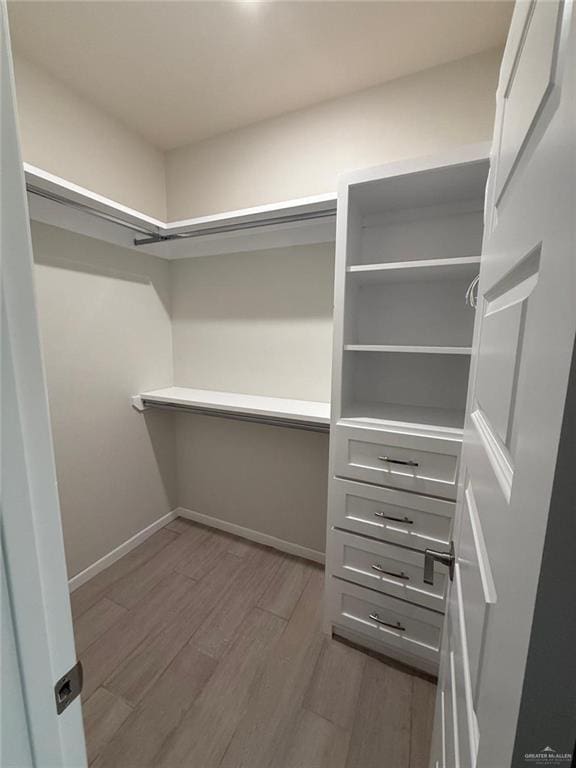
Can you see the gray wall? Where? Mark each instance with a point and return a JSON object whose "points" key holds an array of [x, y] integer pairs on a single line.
{"points": [[105, 327], [270, 479], [257, 323], [301, 153]]}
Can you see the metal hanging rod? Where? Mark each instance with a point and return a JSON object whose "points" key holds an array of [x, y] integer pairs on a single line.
{"points": [[274, 421], [56, 198], [254, 224], [156, 236]]}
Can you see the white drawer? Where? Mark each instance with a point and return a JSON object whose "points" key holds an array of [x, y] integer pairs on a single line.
{"points": [[411, 630], [398, 572], [395, 516], [419, 463]]}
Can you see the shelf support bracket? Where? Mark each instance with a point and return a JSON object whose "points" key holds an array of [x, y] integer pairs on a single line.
{"points": [[137, 404]]}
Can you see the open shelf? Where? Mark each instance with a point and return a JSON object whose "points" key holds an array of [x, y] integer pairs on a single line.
{"points": [[415, 350], [374, 414], [464, 268], [427, 234], [416, 389], [429, 316], [301, 414]]}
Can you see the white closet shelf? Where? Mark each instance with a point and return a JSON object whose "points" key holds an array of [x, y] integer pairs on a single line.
{"points": [[425, 350], [422, 270], [384, 414], [300, 414], [303, 221]]}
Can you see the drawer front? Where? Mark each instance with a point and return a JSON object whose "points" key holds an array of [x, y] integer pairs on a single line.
{"points": [[419, 463], [394, 516], [392, 623], [387, 568]]}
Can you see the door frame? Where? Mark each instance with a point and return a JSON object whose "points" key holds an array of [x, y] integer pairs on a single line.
{"points": [[32, 540]]}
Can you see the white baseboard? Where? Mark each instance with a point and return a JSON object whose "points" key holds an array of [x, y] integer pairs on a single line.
{"points": [[248, 533], [198, 517], [123, 549]]}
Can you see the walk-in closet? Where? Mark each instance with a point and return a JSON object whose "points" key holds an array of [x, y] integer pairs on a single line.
{"points": [[278, 284]]}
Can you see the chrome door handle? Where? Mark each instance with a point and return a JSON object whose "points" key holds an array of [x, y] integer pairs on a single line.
{"points": [[398, 461], [405, 520], [447, 558], [378, 568], [378, 620]]}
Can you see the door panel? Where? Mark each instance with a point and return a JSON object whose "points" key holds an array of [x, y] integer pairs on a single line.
{"points": [[528, 82], [476, 580], [15, 752], [32, 543], [500, 347], [523, 341]]}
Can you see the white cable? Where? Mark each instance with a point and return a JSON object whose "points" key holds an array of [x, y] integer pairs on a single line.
{"points": [[471, 297]]}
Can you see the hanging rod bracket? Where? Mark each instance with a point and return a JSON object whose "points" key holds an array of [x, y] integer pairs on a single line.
{"points": [[137, 403], [153, 239]]}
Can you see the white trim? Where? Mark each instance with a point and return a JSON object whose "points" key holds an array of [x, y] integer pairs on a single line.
{"points": [[246, 533], [309, 203], [484, 567], [461, 155], [251, 535], [58, 184], [62, 186], [120, 551], [243, 231], [495, 451]]}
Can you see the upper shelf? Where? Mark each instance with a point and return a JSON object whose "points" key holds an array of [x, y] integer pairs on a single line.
{"points": [[424, 270], [303, 221], [420, 182], [301, 414]]}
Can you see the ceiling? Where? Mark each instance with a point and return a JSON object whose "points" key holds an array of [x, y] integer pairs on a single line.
{"points": [[179, 72]]}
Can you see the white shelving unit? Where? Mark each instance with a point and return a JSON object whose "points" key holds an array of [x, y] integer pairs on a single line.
{"points": [[300, 414], [408, 245]]}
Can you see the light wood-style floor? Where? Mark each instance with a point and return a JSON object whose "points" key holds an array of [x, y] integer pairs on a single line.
{"points": [[206, 651]]}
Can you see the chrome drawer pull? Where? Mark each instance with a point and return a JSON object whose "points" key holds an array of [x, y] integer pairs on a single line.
{"points": [[398, 461], [401, 575], [398, 626], [395, 519]]}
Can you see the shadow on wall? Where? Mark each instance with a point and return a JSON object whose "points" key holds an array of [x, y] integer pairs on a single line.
{"points": [[269, 479], [106, 333], [284, 283], [94, 257], [160, 426]]}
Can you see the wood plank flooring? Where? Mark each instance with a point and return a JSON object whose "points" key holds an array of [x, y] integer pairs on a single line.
{"points": [[205, 651]]}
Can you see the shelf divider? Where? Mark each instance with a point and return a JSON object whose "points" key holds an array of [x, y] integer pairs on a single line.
{"points": [[426, 350], [408, 271]]}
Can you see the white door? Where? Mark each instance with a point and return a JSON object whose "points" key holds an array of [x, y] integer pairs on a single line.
{"points": [[37, 640], [523, 344]]}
